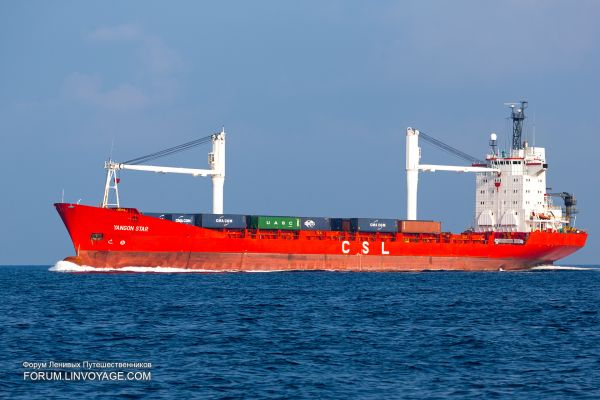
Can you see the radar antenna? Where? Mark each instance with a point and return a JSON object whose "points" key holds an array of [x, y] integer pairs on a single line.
{"points": [[517, 116]]}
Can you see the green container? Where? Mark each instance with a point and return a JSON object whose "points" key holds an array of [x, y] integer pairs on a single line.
{"points": [[260, 222]]}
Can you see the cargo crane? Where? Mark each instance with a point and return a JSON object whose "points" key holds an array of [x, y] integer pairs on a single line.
{"points": [[570, 202], [413, 156], [216, 161]]}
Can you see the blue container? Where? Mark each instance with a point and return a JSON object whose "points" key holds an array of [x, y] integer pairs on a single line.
{"points": [[315, 224], [374, 225], [340, 224], [188, 219], [222, 221], [164, 216]]}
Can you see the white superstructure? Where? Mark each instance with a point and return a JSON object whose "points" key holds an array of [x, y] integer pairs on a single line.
{"points": [[511, 187], [514, 199]]}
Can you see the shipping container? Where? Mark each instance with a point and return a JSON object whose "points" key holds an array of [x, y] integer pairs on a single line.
{"points": [[264, 222], [419, 226], [188, 219], [340, 224], [229, 221], [373, 225], [167, 217], [315, 224]]}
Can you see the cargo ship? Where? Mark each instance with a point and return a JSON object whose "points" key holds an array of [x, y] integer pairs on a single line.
{"points": [[515, 226]]}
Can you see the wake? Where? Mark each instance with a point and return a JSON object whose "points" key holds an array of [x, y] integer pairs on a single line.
{"points": [[562, 268], [67, 266]]}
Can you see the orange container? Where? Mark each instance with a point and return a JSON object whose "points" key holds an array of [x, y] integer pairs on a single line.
{"points": [[419, 226]]}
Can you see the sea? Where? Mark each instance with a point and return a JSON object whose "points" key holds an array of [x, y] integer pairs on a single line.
{"points": [[68, 334]]}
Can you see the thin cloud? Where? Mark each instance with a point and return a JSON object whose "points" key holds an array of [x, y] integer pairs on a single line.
{"points": [[158, 57], [88, 88], [126, 32], [155, 80]]}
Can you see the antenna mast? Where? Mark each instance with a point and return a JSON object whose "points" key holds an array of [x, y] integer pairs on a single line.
{"points": [[517, 115]]}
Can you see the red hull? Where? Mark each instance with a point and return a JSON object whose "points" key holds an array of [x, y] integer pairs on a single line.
{"points": [[124, 237]]}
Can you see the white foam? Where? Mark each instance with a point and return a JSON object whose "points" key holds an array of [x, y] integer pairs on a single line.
{"points": [[67, 266], [561, 268]]}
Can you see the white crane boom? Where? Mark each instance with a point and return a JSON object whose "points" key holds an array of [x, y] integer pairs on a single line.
{"points": [[216, 160], [167, 170], [413, 156], [451, 168]]}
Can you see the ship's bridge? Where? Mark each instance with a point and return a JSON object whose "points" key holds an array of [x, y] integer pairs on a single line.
{"points": [[514, 199]]}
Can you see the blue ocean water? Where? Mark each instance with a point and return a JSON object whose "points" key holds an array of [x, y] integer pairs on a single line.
{"points": [[526, 335]]}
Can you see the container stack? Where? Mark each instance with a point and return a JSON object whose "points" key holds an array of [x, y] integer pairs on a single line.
{"points": [[237, 221]]}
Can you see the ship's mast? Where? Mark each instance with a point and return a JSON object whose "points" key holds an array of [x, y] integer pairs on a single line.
{"points": [[517, 116]]}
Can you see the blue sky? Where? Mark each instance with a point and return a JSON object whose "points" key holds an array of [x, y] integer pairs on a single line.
{"points": [[315, 97]]}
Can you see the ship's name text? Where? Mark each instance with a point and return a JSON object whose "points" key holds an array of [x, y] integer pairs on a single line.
{"points": [[364, 249], [131, 228]]}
